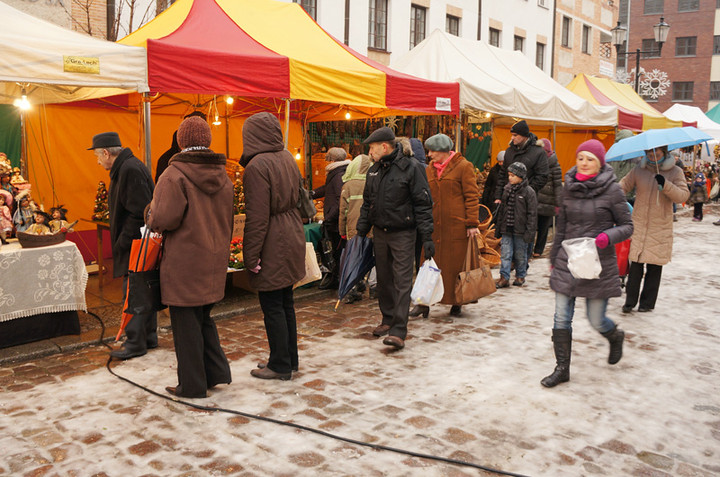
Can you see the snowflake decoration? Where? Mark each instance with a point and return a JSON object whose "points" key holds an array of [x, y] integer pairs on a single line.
{"points": [[391, 122], [654, 84], [628, 77]]}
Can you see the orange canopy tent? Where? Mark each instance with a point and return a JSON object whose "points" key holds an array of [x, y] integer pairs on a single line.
{"points": [[634, 113]]}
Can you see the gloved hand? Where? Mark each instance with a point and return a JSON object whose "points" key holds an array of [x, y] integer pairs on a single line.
{"points": [[429, 249], [660, 179], [344, 237], [602, 240]]}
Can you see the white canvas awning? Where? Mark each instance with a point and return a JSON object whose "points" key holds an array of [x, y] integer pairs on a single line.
{"points": [[689, 114], [501, 82], [56, 65]]}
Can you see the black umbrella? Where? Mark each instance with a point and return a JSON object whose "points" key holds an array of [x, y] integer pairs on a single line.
{"points": [[356, 260]]}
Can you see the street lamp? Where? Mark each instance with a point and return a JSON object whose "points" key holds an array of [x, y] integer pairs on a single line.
{"points": [[619, 35]]}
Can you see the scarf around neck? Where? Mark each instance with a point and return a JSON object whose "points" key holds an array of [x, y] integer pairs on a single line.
{"points": [[440, 166]]}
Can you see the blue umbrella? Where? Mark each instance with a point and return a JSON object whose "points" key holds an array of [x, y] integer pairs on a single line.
{"points": [[673, 138], [357, 259]]}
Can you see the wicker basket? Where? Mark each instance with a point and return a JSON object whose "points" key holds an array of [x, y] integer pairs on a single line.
{"points": [[32, 241], [490, 256], [485, 217]]}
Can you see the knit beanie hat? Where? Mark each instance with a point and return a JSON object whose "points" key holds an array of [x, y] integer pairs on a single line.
{"points": [[521, 128], [594, 147], [519, 169], [194, 131], [547, 145], [623, 134]]}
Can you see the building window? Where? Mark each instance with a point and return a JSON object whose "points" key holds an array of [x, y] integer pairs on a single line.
{"points": [[586, 37], [650, 48], [688, 5], [540, 56], [685, 45], [310, 6], [653, 7], [519, 43], [452, 25], [417, 25], [715, 91], [377, 30], [566, 33], [621, 56], [543, 3], [495, 37], [716, 43], [682, 91], [717, 3]]}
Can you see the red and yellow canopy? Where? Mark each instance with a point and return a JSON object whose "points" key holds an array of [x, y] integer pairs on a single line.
{"points": [[265, 48], [633, 112]]}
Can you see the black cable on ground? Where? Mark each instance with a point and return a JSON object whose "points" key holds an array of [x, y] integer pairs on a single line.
{"points": [[102, 329], [313, 430]]}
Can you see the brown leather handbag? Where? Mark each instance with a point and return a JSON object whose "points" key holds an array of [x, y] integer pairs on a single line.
{"points": [[475, 280]]}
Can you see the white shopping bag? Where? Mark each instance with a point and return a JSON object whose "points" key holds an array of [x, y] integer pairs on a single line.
{"points": [[428, 288], [312, 269], [583, 258]]}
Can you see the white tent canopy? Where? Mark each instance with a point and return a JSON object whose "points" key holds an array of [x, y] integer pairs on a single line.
{"points": [[500, 82], [689, 114], [53, 64]]}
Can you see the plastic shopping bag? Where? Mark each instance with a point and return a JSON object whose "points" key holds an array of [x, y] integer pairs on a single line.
{"points": [[428, 288], [583, 258]]}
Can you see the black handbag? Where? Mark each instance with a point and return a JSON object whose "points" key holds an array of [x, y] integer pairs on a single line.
{"points": [[144, 285], [305, 204]]}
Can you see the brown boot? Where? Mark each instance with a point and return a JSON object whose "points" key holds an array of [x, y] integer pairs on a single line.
{"points": [[502, 283]]}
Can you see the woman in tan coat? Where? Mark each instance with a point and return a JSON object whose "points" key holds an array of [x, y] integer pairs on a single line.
{"points": [[658, 182], [454, 191]]}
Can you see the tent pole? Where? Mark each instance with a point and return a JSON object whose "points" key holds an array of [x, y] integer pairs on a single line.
{"points": [[554, 141], [23, 146], [458, 138], [287, 122], [146, 127]]}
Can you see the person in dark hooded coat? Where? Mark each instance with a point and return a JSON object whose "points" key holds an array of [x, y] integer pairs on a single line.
{"points": [[274, 242], [593, 205]]}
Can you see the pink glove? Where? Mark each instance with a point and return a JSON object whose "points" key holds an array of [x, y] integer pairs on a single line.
{"points": [[602, 240], [257, 268]]}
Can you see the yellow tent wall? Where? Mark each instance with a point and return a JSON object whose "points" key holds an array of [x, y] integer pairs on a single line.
{"points": [[62, 171]]}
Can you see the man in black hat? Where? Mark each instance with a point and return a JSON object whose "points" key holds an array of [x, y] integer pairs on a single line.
{"points": [[131, 190], [397, 203], [524, 147]]}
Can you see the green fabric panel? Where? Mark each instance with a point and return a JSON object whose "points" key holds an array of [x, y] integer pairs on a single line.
{"points": [[10, 136], [478, 148]]}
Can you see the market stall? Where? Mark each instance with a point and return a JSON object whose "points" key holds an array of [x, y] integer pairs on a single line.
{"points": [[633, 112], [498, 86]]}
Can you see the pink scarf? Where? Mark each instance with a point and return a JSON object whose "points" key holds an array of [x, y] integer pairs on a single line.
{"points": [[584, 177], [440, 166]]}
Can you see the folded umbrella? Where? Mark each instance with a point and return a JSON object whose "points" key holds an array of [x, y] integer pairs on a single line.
{"points": [[356, 261], [144, 256]]}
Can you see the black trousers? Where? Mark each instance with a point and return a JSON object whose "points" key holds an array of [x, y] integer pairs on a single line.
{"points": [[543, 225], [278, 307], [201, 361], [141, 330], [330, 229], [650, 287], [697, 210], [394, 257]]}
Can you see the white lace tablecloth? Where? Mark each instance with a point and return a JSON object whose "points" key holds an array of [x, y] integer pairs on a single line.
{"points": [[41, 280]]}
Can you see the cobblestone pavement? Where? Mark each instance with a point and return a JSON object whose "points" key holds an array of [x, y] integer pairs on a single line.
{"points": [[465, 388]]}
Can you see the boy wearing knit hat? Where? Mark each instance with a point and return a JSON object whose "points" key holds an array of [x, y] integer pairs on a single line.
{"points": [[517, 222]]}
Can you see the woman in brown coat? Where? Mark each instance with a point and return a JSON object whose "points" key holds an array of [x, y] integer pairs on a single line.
{"points": [[658, 182], [454, 191], [274, 242], [192, 208]]}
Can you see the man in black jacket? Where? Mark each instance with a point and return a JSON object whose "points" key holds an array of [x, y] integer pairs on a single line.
{"points": [[524, 147], [397, 203], [131, 190]]}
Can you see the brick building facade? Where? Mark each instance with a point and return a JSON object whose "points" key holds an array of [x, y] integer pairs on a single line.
{"points": [[687, 54]]}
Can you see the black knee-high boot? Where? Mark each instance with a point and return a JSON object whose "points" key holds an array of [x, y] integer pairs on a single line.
{"points": [[562, 341], [616, 336]]}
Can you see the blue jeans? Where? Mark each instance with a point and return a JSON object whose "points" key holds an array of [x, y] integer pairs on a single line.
{"points": [[596, 307], [513, 248]]}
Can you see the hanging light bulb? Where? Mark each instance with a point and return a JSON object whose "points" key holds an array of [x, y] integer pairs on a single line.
{"points": [[347, 115], [297, 155], [217, 114], [488, 115], [229, 99], [217, 121], [22, 103]]}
